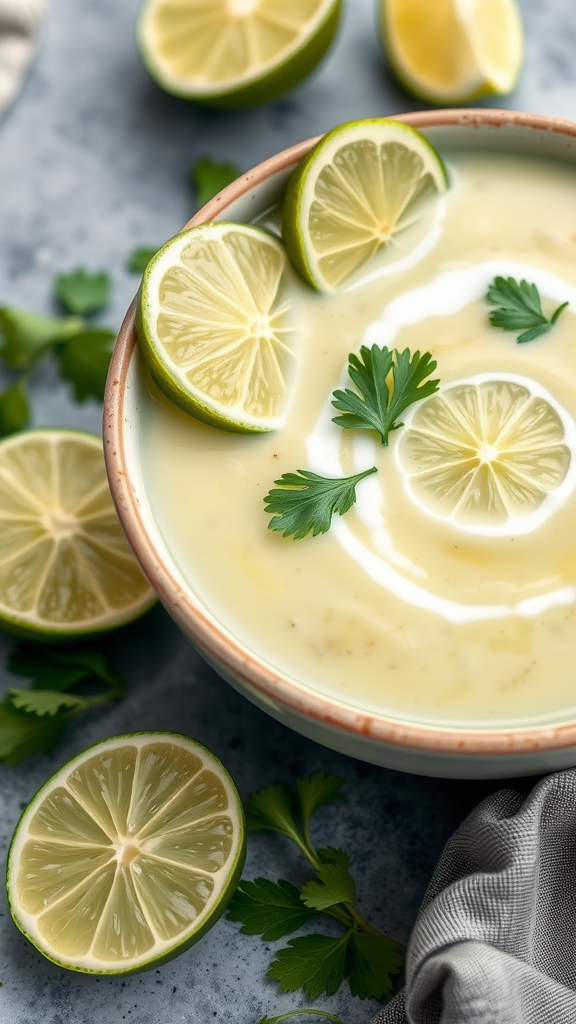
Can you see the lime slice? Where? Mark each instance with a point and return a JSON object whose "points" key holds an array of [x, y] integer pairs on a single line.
{"points": [[453, 51], [215, 322], [356, 191], [234, 53], [127, 855], [484, 453], [65, 566]]}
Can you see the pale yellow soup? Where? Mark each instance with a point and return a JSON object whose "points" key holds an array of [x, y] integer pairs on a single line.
{"points": [[398, 610]]}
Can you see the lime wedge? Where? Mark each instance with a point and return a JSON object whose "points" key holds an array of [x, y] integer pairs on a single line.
{"points": [[216, 325], [235, 53], [361, 186], [453, 51], [484, 453], [127, 855], [65, 567]]}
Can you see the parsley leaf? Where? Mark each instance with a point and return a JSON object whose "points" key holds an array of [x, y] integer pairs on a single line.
{"points": [[14, 409], [315, 790], [334, 885], [271, 809], [22, 735], [44, 702], [83, 292], [315, 963], [299, 1013], [375, 407], [304, 502], [519, 308], [27, 336], [51, 668], [270, 909], [373, 960], [84, 361], [209, 178], [139, 259]]}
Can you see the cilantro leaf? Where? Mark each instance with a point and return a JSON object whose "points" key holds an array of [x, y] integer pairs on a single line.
{"points": [[299, 1013], [269, 909], [519, 308], [26, 336], [139, 259], [83, 292], [315, 963], [373, 960], [334, 884], [315, 790], [209, 178], [271, 809], [52, 668], [304, 502], [22, 735], [375, 407], [84, 361], [44, 702], [14, 409]]}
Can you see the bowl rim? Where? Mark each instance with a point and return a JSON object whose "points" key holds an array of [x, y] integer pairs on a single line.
{"points": [[270, 685]]}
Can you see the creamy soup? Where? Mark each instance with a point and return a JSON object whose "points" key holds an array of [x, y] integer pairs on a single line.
{"points": [[417, 603]]}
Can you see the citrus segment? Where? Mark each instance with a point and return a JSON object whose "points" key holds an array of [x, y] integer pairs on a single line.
{"points": [[483, 454], [452, 51], [216, 324], [117, 864], [234, 52], [360, 187], [65, 566]]}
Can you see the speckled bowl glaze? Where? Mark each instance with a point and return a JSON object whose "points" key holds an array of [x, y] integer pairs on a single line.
{"points": [[403, 745]]}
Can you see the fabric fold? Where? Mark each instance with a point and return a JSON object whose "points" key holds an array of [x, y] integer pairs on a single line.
{"points": [[495, 939]]}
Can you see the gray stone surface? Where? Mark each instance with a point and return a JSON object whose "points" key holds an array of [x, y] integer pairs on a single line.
{"points": [[94, 160]]}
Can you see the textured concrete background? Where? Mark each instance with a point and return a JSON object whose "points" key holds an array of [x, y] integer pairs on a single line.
{"points": [[94, 160]]}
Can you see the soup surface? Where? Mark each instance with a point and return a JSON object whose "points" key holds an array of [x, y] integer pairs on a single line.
{"points": [[419, 603]]}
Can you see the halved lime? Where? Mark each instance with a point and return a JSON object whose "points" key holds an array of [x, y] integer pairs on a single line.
{"points": [[216, 324], [234, 53], [356, 191], [485, 452], [65, 566], [127, 855], [453, 51]]}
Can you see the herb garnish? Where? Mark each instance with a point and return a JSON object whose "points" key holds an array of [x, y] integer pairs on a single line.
{"points": [[304, 502], [315, 963], [32, 720], [519, 308], [376, 407], [299, 1013], [208, 178]]}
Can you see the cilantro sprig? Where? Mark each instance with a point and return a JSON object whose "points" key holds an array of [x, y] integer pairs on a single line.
{"points": [[308, 1012], [519, 308], [316, 963], [33, 719], [82, 351], [208, 177], [387, 382]]}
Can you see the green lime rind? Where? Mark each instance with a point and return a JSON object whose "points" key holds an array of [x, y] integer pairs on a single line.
{"points": [[265, 87], [294, 228], [236, 867], [414, 88], [187, 398]]}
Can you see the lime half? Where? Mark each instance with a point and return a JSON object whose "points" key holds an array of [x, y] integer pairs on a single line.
{"points": [[234, 53], [361, 186], [128, 854], [66, 569], [216, 325], [486, 452], [453, 51]]}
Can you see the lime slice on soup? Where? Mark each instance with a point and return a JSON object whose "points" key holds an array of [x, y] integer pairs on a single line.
{"points": [[66, 569], [450, 51], [216, 325], [356, 191], [234, 53], [127, 855]]}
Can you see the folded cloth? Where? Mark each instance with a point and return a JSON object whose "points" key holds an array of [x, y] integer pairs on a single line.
{"points": [[495, 939], [20, 22]]}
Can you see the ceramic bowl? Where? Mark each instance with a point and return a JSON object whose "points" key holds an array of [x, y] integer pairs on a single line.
{"points": [[412, 747]]}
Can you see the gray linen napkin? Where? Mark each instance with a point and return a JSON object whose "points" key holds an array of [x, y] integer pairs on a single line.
{"points": [[495, 939]]}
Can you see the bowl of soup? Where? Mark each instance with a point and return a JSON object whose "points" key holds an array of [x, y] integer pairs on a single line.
{"points": [[422, 632]]}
